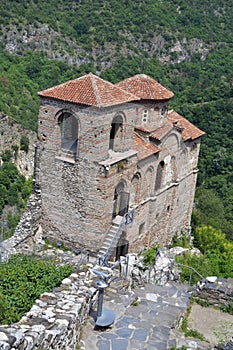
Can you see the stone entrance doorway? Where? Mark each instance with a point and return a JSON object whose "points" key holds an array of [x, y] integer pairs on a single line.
{"points": [[122, 246], [121, 200]]}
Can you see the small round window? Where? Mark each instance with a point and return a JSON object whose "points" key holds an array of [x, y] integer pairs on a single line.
{"points": [[145, 116]]}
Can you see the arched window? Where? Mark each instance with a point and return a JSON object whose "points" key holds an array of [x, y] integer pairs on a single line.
{"points": [[69, 132], [149, 175], [163, 109], [159, 175], [135, 188], [116, 133]]}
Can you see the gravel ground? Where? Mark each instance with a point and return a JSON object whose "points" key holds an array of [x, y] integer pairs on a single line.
{"points": [[215, 325]]}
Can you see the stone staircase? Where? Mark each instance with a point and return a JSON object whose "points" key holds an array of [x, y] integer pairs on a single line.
{"points": [[112, 235]]}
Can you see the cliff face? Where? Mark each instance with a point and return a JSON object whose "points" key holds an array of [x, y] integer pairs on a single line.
{"points": [[10, 134], [57, 46]]}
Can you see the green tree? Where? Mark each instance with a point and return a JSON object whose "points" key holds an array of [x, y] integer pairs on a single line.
{"points": [[6, 155], [24, 144]]}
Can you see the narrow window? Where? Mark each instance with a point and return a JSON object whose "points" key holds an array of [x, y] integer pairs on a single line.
{"points": [[159, 175], [116, 133], [69, 132], [135, 188], [149, 176]]}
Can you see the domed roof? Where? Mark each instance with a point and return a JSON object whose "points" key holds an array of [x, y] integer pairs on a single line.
{"points": [[145, 87]]}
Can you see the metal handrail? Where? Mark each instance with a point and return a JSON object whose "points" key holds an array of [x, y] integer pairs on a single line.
{"points": [[191, 269], [126, 219]]}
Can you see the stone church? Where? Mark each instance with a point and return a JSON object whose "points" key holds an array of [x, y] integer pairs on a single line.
{"points": [[116, 167]]}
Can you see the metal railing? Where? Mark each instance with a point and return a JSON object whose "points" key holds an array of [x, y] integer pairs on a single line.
{"points": [[84, 258], [126, 220], [150, 278], [192, 269]]}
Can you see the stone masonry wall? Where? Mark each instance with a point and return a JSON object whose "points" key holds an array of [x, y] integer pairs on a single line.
{"points": [[167, 210], [219, 293], [77, 202], [55, 321], [78, 196]]}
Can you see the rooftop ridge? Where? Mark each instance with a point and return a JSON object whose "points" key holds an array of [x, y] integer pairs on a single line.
{"points": [[89, 90]]}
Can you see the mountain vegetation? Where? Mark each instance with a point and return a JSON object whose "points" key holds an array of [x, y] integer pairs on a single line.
{"points": [[186, 45], [14, 193], [29, 278]]}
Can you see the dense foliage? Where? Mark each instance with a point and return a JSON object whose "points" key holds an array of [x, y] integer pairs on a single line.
{"points": [[202, 81], [14, 193], [22, 280], [216, 258], [91, 22], [20, 80]]}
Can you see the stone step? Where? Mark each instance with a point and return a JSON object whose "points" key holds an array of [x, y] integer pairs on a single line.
{"points": [[111, 234]]}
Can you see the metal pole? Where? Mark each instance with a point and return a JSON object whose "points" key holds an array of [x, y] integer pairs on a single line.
{"points": [[100, 302], [127, 266]]}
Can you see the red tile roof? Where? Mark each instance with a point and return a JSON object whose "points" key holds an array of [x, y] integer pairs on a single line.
{"points": [[145, 87], [144, 149], [89, 90], [188, 130], [161, 131]]}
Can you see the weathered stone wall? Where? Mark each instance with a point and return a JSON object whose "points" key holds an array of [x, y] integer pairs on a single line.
{"points": [[78, 195], [77, 198], [55, 321], [219, 293], [165, 210], [155, 114]]}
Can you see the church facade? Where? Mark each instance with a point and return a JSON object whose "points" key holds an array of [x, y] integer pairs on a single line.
{"points": [[115, 161]]}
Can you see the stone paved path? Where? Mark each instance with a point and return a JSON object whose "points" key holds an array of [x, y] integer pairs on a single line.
{"points": [[144, 320]]}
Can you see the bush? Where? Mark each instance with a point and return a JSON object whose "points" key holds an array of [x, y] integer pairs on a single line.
{"points": [[217, 258], [6, 155], [22, 280], [149, 256], [180, 240], [24, 144]]}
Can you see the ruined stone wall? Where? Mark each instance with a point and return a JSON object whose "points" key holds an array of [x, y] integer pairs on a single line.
{"points": [[24, 236]]}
